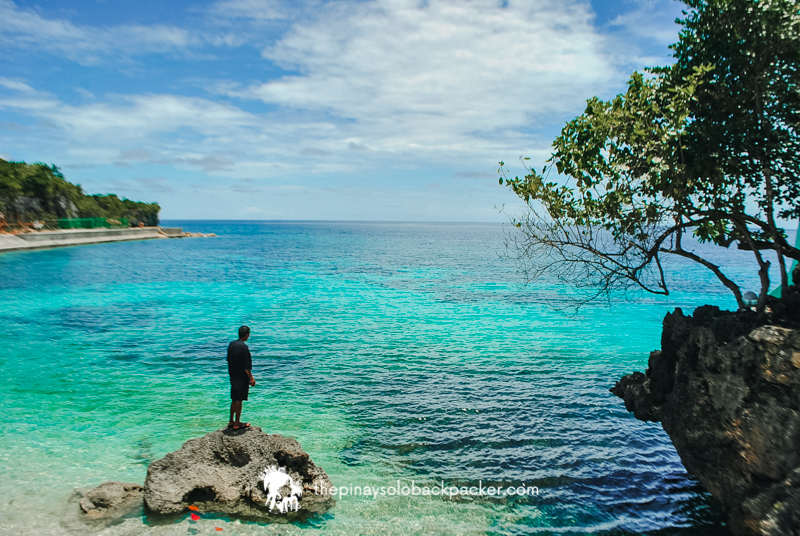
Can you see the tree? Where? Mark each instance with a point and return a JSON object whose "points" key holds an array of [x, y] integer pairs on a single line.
{"points": [[748, 110], [37, 190], [706, 146], [10, 187]]}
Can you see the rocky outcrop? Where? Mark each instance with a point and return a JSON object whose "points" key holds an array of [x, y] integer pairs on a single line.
{"points": [[32, 208], [63, 207], [221, 472], [726, 388]]}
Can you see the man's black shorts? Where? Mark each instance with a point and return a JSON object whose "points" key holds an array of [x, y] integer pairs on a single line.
{"points": [[239, 390]]}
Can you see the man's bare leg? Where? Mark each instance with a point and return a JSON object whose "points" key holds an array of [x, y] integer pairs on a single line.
{"points": [[233, 411], [237, 425]]}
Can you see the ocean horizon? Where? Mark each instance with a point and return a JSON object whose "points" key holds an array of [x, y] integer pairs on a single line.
{"points": [[394, 352]]}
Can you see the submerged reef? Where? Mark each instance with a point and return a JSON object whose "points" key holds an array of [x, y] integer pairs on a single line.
{"points": [[725, 386]]}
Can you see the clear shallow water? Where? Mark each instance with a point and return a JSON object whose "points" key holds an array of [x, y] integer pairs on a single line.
{"points": [[390, 351]]}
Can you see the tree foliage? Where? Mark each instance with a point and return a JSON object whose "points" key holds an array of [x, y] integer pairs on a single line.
{"points": [[708, 146], [39, 191]]}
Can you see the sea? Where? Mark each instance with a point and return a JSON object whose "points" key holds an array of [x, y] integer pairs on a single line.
{"points": [[399, 355]]}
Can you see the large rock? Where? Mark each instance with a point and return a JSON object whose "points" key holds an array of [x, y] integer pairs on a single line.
{"points": [[726, 388], [220, 472]]}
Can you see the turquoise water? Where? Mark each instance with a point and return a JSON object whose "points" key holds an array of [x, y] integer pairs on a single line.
{"points": [[392, 352]]}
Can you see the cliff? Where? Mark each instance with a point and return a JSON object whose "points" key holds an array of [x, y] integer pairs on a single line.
{"points": [[726, 388]]}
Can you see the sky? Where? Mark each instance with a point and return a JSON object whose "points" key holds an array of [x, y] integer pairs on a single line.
{"points": [[394, 110]]}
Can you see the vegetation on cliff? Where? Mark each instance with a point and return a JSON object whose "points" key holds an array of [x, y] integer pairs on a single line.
{"points": [[31, 192], [708, 147]]}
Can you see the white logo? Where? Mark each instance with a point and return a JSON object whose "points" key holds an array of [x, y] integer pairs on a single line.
{"points": [[281, 490]]}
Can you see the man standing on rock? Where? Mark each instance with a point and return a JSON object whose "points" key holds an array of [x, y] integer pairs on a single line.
{"points": [[240, 364]]}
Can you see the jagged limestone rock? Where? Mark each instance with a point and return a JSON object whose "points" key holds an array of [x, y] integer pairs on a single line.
{"points": [[726, 388]]}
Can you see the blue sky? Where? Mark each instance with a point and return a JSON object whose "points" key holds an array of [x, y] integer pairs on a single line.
{"points": [[341, 110]]}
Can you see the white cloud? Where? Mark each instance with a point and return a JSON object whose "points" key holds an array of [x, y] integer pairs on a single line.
{"points": [[133, 118], [208, 163], [254, 210], [16, 85], [135, 154], [27, 29], [474, 175], [646, 21], [641, 36], [448, 77], [259, 10], [156, 184], [172, 130], [155, 129], [314, 152]]}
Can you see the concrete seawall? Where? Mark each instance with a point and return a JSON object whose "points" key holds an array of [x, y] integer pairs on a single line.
{"points": [[75, 237], [172, 232]]}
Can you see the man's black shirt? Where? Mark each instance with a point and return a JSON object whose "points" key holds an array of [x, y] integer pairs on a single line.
{"points": [[239, 360]]}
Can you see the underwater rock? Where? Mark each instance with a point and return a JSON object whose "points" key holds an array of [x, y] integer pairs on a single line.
{"points": [[223, 472], [111, 500], [102, 506], [726, 388]]}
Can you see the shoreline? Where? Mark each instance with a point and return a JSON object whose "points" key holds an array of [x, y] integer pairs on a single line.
{"points": [[79, 237]]}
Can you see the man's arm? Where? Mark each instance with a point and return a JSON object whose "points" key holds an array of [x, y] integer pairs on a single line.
{"points": [[249, 367]]}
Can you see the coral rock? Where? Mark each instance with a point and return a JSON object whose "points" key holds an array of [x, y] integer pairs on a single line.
{"points": [[222, 471]]}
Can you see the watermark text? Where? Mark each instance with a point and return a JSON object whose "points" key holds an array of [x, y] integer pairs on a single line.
{"points": [[441, 490]]}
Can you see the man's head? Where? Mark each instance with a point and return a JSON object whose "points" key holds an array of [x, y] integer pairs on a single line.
{"points": [[244, 333]]}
